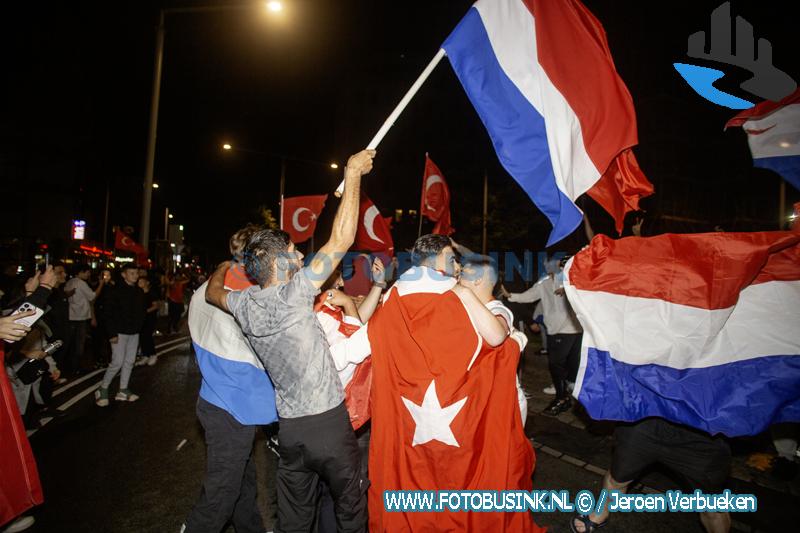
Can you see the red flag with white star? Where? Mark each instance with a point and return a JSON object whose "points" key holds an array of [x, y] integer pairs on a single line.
{"points": [[300, 214], [445, 414]]}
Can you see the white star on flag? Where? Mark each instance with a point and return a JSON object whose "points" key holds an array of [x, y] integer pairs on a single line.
{"points": [[432, 420]]}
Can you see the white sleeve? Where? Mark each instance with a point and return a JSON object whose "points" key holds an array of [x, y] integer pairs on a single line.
{"points": [[352, 350], [531, 295], [523, 403], [87, 291]]}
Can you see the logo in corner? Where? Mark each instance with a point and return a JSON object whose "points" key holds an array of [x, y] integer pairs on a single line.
{"points": [[767, 81]]}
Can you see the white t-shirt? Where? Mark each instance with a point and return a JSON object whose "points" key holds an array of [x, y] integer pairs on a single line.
{"points": [[80, 303], [558, 314]]}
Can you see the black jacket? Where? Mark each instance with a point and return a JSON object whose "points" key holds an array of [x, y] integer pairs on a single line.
{"points": [[124, 309]]}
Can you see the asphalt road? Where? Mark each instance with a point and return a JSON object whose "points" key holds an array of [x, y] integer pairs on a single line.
{"points": [[138, 467]]}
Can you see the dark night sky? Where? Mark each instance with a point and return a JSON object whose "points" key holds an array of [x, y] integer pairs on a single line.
{"points": [[316, 83]]}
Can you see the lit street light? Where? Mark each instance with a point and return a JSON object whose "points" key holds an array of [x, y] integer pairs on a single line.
{"points": [[272, 6], [170, 216], [155, 185], [226, 146], [334, 166]]}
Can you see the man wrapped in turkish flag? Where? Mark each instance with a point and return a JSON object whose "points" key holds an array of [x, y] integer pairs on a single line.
{"points": [[445, 414]]}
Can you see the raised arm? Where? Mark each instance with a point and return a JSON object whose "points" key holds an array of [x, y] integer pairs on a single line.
{"points": [[346, 221], [216, 293]]}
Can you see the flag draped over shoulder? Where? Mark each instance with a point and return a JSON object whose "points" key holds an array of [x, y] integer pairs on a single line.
{"points": [[773, 132], [541, 77], [699, 329], [444, 411]]}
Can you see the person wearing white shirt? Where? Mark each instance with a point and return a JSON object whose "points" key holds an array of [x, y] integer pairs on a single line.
{"points": [[564, 333], [81, 299]]}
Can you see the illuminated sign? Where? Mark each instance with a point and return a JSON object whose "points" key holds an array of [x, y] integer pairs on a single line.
{"points": [[78, 230]]}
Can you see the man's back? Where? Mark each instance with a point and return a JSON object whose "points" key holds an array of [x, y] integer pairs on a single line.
{"points": [[281, 326], [233, 377]]}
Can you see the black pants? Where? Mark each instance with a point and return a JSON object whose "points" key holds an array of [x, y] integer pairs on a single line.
{"points": [[175, 310], [313, 448], [146, 342], [75, 345], [563, 357], [229, 488]]}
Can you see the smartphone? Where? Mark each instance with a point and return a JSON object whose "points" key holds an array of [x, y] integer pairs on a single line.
{"points": [[28, 320]]}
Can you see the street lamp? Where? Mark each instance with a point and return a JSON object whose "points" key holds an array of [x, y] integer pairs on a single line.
{"points": [[272, 6], [155, 185], [226, 146], [334, 166]]}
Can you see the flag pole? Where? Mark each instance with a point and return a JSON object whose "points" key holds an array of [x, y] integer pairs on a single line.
{"points": [[485, 208], [283, 184], [422, 197], [389, 122]]}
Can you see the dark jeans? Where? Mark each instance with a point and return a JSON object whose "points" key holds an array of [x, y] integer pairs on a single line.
{"points": [[313, 448], [76, 343], [175, 310], [563, 357], [229, 488]]}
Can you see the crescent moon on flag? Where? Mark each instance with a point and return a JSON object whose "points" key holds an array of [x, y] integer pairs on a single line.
{"points": [[126, 241], [369, 223], [296, 219], [432, 179]]}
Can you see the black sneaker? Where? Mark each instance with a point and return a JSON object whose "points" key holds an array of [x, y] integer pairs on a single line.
{"points": [[558, 406]]}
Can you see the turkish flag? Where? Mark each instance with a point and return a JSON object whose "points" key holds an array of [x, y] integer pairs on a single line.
{"points": [[435, 202], [373, 234], [796, 219], [300, 215], [123, 241], [445, 414]]}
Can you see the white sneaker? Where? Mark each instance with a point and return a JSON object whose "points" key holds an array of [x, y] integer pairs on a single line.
{"points": [[152, 360], [551, 390], [20, 524], [140, 360], [126, 395], [101, 399]]}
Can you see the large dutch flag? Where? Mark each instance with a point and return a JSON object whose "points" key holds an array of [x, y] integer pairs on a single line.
{"points": [[233, 377], [541, 77], [702, 329], [773, 132]]}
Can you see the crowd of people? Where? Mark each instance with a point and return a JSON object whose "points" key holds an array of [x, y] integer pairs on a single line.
{"points": [[409, 382], [90, 319]]}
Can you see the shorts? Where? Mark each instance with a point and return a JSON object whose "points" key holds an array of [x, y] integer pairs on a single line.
{"points": [[704, 461]]}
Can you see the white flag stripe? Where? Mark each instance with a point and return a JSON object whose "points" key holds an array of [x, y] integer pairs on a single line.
{"points": [[638, 331], [512, 33]]}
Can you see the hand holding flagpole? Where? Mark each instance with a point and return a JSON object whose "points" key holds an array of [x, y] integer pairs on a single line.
{"points": [[389, 122]]}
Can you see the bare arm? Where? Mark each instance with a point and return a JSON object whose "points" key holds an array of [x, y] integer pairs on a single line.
{"points": [[346, 221], [216, 293], [370, 303], [492, 328]]}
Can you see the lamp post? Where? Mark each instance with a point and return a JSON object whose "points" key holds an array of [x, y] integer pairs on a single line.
{"points": [[273, 6], [229, 147]]}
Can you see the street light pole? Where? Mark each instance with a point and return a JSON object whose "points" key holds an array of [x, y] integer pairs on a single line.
{"points": [[151, 138], [283, 184]]}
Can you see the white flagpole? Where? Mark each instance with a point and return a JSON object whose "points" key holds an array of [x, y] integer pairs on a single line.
{"points": [[387, 125]]}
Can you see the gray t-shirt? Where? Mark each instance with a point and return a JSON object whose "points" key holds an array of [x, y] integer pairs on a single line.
{"points": [[280, 324]]}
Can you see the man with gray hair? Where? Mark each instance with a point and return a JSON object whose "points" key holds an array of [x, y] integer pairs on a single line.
{"points": [[315, 438]]}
